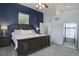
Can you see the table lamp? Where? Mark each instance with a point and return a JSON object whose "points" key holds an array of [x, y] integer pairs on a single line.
{"points": [[4, 28]]}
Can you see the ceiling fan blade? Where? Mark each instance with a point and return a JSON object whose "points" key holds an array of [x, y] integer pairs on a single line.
{"points": [[46, 6]]}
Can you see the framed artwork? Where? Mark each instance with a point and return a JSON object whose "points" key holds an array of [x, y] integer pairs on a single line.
{"points": [[23, 18]]}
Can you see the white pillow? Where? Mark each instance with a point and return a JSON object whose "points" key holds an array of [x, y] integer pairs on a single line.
{"points": [[18, 32]]}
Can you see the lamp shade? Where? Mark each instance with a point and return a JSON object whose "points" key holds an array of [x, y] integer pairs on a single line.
{"points": [[4, 27]]}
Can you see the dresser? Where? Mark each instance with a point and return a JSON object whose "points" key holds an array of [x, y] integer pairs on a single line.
{"points": [[5, 40]]}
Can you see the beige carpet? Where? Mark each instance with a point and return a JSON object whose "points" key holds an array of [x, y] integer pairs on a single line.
{"points": [[53, 50]]}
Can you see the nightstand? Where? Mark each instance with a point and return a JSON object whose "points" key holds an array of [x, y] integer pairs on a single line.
{"points": [[5, 40]]}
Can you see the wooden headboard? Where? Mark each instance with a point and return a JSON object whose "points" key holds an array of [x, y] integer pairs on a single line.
{"points": [[22, 26]]}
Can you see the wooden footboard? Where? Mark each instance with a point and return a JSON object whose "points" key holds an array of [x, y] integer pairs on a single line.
{"points": [[28, 46]]}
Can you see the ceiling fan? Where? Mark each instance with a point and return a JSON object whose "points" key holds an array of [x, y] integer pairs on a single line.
{"points": [[41, 5]]}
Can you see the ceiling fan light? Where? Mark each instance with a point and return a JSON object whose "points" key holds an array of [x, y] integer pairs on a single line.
{"points": [[40, 7], [43, 6]]}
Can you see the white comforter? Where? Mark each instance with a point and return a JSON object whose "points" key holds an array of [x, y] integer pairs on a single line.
{"points": [[16, 37]]}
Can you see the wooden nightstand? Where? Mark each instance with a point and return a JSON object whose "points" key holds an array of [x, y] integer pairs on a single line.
{"points": [[5, 40]]}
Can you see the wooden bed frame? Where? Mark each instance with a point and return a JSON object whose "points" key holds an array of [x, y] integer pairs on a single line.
{"points": [[28, 46]]}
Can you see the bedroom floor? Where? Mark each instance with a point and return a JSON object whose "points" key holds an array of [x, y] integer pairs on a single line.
{"points": [[53, 50]]}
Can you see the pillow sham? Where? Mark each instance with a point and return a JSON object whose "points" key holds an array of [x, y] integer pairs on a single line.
{"points": [[18, 31]]}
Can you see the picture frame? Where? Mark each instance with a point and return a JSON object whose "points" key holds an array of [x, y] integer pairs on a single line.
{"points": [[23, 18]]}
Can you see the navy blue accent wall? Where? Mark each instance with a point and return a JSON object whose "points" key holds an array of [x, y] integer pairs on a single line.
{"points": [[9, 14]]}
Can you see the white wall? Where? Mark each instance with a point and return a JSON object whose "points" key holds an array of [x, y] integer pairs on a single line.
{"points": [[67, 16], [48, 14]]}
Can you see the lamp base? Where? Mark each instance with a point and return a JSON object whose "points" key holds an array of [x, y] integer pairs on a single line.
{"points": [[4, 33]]}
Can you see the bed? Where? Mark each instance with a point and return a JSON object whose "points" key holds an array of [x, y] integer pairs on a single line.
{"points": [[28, 43]]}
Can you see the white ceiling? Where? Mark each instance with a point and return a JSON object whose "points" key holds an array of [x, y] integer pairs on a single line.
{"points": [[54, 6]]}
